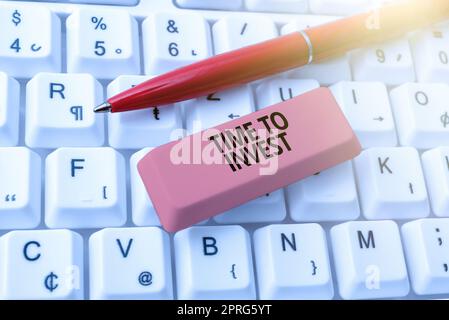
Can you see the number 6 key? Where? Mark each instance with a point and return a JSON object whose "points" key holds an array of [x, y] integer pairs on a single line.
{"points": [[171, 41]]}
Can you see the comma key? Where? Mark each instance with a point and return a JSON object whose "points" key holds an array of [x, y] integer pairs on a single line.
{"points": [[425, 243]]}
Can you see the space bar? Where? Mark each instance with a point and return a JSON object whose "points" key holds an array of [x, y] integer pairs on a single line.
{"points": [[100, 2]]}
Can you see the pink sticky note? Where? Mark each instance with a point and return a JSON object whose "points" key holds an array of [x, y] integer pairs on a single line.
{"points": [[217, 169]]}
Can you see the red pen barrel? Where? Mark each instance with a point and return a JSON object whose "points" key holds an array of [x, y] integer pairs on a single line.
{"points": [[221, 71], [387, 22], [287, 52]]}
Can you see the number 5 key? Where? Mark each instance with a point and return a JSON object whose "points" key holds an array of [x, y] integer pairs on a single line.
{"points": [[104, 43]]}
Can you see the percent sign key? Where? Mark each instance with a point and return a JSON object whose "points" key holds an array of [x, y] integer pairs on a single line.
{"points": [[99, 23]]}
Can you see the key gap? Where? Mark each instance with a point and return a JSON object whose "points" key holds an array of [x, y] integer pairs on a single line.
{"points": [[140, 43], [63, 43], [173, 265]]}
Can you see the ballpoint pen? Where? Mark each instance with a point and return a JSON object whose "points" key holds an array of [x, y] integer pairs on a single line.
{"points": [[254, 62]]}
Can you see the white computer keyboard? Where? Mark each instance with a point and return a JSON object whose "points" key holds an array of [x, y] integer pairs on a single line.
{"points": [[76, 221]]}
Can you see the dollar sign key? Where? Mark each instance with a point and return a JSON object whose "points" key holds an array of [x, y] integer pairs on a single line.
{"points": [[16, 18], [445, 119]]}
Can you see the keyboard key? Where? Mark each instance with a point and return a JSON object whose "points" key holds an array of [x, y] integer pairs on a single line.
{"points": [[20, 188], [298, 6], [233, 32], [30, 41], [174, 40], [130, 263], [436, 170], [422, 114], [268, 208], [369, 261], [41, 264], [307, 21], [391, 184], [389, 62], [85, 188], [59, 111], [103, 43], [431, 54], [326, 196], [367, 108], [341, 69], [214, 263], [340, 7], [292, 262], [217, 108], [426, 242], [273, 91], [9, 111], [137, 129], [210, 4], [143, 212]]}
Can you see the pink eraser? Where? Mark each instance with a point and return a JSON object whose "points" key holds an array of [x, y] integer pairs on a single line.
{"points": [[217, 169]]}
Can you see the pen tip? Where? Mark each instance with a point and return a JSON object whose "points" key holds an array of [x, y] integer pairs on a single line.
{"points": [[102, 108]]}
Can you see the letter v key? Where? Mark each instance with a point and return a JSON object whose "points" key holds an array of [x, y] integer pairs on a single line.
{"points": [[128, 247]]}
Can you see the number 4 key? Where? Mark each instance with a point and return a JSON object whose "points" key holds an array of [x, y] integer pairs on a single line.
{"points": [[30, 41]]}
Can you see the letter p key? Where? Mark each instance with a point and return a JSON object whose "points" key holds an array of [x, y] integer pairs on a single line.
{"points": [[77, 111]]}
